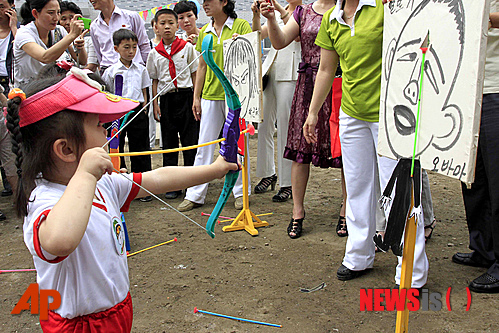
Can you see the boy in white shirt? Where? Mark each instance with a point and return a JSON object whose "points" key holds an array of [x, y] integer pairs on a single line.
{"points": [[135, 83], [167, 60]]}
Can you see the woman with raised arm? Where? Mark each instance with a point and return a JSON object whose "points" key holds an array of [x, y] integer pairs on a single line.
{"points": [[41, 41], [304, 23], [280, 74]]}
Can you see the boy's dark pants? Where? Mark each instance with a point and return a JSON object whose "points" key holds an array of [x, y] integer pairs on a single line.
{"points": [[177, 120], [138, 140]]}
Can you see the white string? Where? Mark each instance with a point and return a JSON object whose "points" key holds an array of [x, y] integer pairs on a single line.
{"points": [[162, 201], [131, 180], [152, 99]]}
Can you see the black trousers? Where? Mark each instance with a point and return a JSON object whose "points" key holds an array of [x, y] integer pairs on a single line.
{"points": [[177, 121], [481, 201], [138, 140]]}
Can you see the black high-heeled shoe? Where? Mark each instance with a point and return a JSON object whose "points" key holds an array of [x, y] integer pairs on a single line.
{"points": [[296, 227], [342, 226], [264, 184], [283, 195], [430, 227]]}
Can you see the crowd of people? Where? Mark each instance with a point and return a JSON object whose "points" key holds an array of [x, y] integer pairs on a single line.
{"points": [[62, 84]]}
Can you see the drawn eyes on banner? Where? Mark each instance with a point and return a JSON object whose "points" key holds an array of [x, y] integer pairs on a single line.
{"points": [[242, 80], [408, 57]]}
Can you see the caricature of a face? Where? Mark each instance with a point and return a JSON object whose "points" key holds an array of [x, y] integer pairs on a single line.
{"points": [[241, 72], [439, 121], [240, 82]]}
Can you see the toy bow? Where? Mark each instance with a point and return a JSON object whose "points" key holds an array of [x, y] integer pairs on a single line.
{"points": [[231, 134]]}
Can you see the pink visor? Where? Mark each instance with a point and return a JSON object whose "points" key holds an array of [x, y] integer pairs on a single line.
{"points": [[76, 92]]}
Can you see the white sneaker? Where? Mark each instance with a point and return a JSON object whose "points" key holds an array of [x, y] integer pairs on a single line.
{"points": [[238, 204]]}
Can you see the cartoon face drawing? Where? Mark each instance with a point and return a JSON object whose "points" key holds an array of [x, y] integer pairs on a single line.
{"points": [[118, 231], [440, 71], [118, 235], [241, 70]]}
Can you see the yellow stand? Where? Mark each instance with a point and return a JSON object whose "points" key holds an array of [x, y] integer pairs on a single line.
{"points": [[402, 324], [244, 220]]}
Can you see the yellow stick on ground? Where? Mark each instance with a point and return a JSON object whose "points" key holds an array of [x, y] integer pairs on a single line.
{"points": [[174, 150], [228, 220], [152, 247], [402, 324]]}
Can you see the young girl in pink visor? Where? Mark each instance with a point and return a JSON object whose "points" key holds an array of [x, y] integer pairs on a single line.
{"points": [[71, 201]]}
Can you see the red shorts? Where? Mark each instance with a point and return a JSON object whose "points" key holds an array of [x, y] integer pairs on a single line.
{"points": [[114, 320]]}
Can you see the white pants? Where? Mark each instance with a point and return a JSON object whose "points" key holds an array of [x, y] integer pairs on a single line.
{"points": [[277, 99], [212, 120], [363, 168]]}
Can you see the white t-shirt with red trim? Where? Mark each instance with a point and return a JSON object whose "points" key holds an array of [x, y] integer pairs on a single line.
{"points": [[94, 277]]}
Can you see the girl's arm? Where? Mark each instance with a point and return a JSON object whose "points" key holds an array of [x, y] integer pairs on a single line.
{"points": [[66, 223], [54, 52], [280, 38], [198, 89], [323, 83], [169, 179]]}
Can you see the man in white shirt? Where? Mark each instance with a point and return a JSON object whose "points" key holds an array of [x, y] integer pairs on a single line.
{"points": [[107, 22]]}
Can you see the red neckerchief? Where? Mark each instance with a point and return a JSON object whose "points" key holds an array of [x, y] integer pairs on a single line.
{"points": [[177, 45]]}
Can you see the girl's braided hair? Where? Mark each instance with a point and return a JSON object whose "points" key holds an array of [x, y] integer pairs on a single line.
{"points": [[32, 144]]}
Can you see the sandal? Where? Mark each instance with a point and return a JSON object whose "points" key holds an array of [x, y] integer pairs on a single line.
{"points": [[283, 195], [342, 226], [296, 227], [430, 226], [264, 184]]}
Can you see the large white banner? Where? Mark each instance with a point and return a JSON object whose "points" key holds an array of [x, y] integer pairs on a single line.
{"points": [[452, 82]]}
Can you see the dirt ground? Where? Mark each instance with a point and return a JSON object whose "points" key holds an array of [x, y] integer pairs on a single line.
{"points": [[260, 277]]}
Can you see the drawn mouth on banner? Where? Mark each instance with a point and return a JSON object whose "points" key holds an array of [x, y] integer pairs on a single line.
{"points": [[405, 122]]}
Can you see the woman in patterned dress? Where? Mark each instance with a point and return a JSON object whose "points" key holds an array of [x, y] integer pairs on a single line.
{"points": [[304, 24]]}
